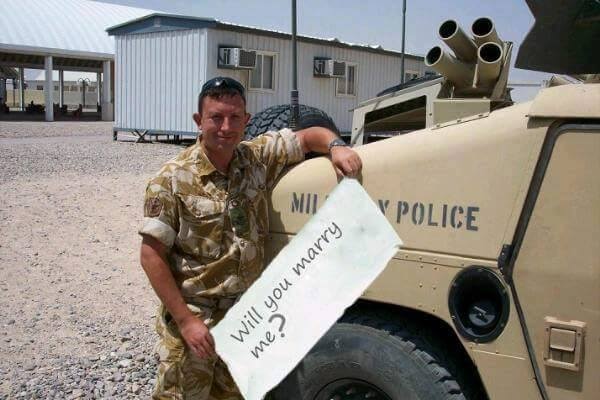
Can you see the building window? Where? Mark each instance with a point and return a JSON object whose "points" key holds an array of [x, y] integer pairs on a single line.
{"points": [[346, 86], [263, 76], [226, 56], [40, 87]]}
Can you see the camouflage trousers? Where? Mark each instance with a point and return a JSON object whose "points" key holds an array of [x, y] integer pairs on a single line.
{"points": [[184, 376]]}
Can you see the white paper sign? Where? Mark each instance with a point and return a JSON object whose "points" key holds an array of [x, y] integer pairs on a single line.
{"points": [[305, 289]]}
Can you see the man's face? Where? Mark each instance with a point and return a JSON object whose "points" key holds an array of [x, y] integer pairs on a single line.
{"points": [[223, 121]]}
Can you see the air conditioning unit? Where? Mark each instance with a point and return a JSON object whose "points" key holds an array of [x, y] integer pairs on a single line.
{"points": [[328, 68], [235, 57]]}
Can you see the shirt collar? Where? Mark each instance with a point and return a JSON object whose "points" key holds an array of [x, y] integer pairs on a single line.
{"points": [[206, 167]]}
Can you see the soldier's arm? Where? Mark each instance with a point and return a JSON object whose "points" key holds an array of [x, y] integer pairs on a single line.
{"points": [[195, 333], [317, 139]]}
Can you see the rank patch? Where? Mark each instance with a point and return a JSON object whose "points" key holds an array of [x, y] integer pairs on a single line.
{"points": [[239, 220], [153, 207]]}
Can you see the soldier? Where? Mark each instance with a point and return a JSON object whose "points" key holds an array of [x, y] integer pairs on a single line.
{"points": [[205, 223]]}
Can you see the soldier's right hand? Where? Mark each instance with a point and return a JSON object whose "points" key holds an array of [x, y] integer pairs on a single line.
{"points": [[197, 337]]}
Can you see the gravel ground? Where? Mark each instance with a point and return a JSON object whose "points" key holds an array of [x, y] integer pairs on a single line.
{"points": [[12, 129], [76, 310]]}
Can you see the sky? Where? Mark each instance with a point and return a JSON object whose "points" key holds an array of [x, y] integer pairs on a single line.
{"points": [[366, 22], [357, 21]]}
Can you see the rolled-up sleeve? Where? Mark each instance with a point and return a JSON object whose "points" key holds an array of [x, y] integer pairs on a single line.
{"points": [[161, 217], [278, 151]]}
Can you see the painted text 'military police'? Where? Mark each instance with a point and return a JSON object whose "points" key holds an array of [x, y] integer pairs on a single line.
{"points": [[417, 213]]}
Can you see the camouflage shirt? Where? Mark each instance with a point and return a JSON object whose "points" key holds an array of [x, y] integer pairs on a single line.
{"points": [[216, 224]]}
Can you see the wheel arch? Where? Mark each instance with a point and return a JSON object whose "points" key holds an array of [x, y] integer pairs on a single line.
{"points": [[434, 330]]}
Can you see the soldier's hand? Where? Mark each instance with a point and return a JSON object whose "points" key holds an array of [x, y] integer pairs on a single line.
{"points": [[346, 161], [197, 337]]}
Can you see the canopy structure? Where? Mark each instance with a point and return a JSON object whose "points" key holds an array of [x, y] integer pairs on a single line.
{"points": [[62, 35], [8, 73]]}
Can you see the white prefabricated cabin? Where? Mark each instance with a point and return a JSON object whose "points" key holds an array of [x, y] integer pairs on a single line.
{"points": [[161, 62]]}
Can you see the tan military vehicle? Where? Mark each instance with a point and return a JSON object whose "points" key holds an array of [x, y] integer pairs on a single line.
{"points": [[496, 292]]}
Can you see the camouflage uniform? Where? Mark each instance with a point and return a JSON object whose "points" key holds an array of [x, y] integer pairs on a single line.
{"points": [[215, 226]]}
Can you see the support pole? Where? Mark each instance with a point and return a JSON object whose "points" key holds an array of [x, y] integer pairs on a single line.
{"points": [[99, 97], [3, 91], [107, 110], [22, 88], [61, 87], [83, 85], [402, 79], [294, 104], [48, 89]]}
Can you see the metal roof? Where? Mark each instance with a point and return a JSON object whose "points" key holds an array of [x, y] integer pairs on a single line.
{"points": [[69, 28], [160, 22]]}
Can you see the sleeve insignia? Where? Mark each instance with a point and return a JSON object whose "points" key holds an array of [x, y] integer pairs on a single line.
{"points": [[153, 207]]}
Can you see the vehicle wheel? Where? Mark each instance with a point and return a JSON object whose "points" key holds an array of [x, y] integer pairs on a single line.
{"points": [[369, 359], [277, 117]]}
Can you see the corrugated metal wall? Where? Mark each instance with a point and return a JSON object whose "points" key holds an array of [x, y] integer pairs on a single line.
{"points": [[375, 72], [158, 78], [159, 75]]}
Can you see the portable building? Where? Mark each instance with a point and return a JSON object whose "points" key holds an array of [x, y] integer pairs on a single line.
{"points": [[161, 62]]}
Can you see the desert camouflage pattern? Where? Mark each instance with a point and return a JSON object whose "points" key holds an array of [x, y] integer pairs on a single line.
{"points": [[181, 375], [215, 226]]}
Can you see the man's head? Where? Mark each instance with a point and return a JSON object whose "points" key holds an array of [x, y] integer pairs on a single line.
{"points": [[221, 114], [218, 87]]}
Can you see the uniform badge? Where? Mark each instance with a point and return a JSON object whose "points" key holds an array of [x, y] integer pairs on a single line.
{"points": [[239, 220], [153, 207]]}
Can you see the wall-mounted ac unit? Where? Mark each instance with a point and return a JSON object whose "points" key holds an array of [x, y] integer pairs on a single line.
{"points": [[328, 68], [235, 57]]}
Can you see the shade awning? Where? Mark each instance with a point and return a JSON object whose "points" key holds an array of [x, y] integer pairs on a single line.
{"points": [[8, 60]]}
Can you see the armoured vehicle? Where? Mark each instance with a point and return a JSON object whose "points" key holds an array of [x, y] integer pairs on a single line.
{"points": [[496, 293]]}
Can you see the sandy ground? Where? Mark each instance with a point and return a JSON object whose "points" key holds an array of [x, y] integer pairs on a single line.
{"points": [[76, 310]]}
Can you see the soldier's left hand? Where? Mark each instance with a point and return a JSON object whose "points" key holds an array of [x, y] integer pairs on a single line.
{"points": [[345, 161]]}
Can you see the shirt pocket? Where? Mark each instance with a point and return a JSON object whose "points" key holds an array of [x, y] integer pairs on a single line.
{"points": [[255, 183], [201, 226]]}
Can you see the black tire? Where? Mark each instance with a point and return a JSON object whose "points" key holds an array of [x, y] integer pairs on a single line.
{"points": [[369, 358], [277, 117]]}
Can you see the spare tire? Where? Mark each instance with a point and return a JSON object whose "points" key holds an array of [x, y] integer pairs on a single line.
{"points": [[277, 117]]}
